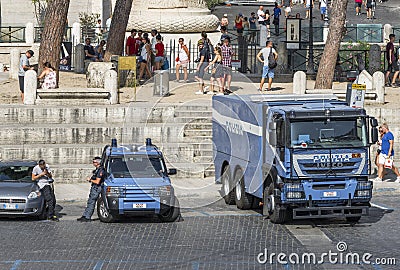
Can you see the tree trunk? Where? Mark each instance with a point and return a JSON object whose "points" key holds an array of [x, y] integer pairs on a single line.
{"points": [[116, 35], [53, 32], [327, 64]]}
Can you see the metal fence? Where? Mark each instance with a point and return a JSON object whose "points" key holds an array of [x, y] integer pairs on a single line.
{"points": [[12, 34], [39, 30]]}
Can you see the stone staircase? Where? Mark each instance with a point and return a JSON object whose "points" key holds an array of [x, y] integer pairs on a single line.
{"points": [[69, 137]]}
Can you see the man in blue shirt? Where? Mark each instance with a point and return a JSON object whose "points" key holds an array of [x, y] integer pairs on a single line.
{"points": [[387, 153]]}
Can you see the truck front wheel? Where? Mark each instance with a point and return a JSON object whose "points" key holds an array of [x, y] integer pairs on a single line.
{"points": [[172, 213], [227, 187], [103, 213], [277, 213], [243, 200]]}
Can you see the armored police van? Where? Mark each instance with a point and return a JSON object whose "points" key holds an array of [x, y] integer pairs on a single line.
{"points": [[137, 183], [299, 156]]}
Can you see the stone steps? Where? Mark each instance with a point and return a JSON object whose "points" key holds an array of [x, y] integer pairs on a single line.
{"points": [[195, 114]]}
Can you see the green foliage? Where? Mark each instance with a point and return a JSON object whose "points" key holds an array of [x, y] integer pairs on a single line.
{"points": [[348, 54], [88, 20], [212, 3]]}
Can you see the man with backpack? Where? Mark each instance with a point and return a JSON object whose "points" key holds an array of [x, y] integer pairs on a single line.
{"points": [[270, 56]]}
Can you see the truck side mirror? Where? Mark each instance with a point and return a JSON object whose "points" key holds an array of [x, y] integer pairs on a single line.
{"points": [[172, 171], [374, 122], [374, 135], [272, 134]]}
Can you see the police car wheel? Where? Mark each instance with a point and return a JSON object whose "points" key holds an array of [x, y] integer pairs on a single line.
{"points": [[243, 200], [103, 213], [227, 189], [172, 213]]}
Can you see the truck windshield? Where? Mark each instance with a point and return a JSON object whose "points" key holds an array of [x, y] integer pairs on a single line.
{"points": [[328, 134], [136, 166], [16, 174]]}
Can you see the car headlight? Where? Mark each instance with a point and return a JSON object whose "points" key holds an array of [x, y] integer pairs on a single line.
{"points": [[165, 191], [34, 194]]}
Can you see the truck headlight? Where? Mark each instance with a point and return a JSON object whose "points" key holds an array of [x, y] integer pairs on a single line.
{"points": [[294, 195], [165, 191], [294, 186], [115, 191], [34, 194]]}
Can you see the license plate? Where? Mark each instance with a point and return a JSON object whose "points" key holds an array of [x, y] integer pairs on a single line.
{"points": [[139, 205], [330, 194], [10, 206]]}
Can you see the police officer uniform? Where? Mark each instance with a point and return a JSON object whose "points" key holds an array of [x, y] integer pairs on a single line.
{"points": [[94, 194]]}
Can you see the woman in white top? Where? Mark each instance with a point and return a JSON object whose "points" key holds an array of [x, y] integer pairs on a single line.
{"points": [[145, 56], [49, 75], [182, 60]]}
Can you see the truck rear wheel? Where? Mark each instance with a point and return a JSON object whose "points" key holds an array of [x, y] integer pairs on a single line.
{"points": [[227, 187], [243, 200], [103, 213], [276, 213], [172, 213]]}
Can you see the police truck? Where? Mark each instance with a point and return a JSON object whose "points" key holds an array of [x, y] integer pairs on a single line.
{"points": [[297, 156]]}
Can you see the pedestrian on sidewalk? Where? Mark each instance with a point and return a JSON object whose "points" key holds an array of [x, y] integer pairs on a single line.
{"points": [[239, 24], [309, 4], [217, 71], [267, 71], [182, 60], [42, 174], [202, 62], [97, 180], [396, 66], [368, 6], [390, 57], [323, 8], [287, 7], [23, 67], [386, 155], [358, 4], [227, 53], [277, 14]]}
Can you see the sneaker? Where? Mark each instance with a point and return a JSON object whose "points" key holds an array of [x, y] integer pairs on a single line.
{"points": [[219, 94], [378, 179], [397, 179], [175, 80], [53, 218], [394, 85], [83, 219], [260, 90], [199, 92], [388, 84], [206, 88]]}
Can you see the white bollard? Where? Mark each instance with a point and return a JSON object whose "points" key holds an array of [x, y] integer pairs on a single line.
{"points": [[299, 83], [76, 33], [15, 55], [379, 83], [29, 33], [30, 86], [111, 85]]}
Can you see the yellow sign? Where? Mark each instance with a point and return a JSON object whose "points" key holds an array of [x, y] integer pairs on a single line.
{"points": [[127, 63], [359, 86]]}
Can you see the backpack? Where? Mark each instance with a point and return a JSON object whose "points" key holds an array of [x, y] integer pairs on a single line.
{"points": [[271, 60]]}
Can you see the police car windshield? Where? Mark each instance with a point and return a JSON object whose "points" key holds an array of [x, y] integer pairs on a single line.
{"points": [[16, 174], [136, 166], [328, 134]]}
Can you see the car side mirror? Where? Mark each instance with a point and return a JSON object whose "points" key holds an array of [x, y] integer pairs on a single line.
{"points": [[172, 171]]}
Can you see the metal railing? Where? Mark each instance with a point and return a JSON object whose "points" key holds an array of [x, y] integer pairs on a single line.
{"points": [[12, 34], [39, 31]]}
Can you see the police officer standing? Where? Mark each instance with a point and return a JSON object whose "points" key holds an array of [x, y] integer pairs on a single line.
{"points": [[97, 180], [42, 174]]}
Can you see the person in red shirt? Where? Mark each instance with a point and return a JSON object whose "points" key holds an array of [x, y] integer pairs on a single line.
{"points": [[159, 53], [132, 44]]}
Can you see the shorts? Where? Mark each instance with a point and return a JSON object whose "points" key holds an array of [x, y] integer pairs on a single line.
{"points": [[382, 158], [21, 80], [358, 5], [268, 73], [369, 6], [183, 63], [158, 59], [200, 73], [288, 9], [227, 71], [239, 30], [323, 10], [394, 66]]}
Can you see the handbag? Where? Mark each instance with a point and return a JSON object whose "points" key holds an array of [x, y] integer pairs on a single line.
{"points": [[177, 59]]}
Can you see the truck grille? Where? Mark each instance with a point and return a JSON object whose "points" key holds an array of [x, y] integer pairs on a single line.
{"points": [[130, 192], [12, 200]]}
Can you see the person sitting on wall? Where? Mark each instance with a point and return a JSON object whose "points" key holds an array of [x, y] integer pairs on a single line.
{"points": [[90, 53]]}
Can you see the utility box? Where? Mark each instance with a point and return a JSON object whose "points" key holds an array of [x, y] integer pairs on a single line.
{"points": [[161, 83], [355, 95]]}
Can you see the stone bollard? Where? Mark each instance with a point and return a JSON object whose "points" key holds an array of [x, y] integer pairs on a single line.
{"points": [[15, 54], [29, 33], [111, 85], [161, 83], [387, 30], [30, 86], [299, 83], [374, 58], [79, 60], [379, 83], [263, 35], [283, 58], [76, 33], [365, 78]]}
